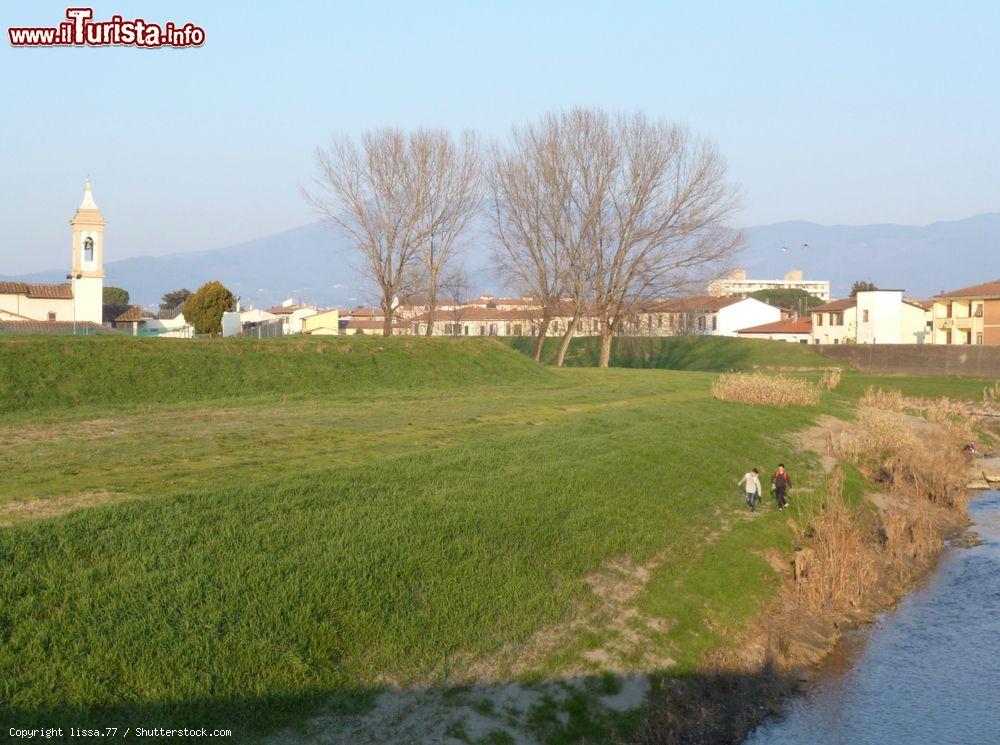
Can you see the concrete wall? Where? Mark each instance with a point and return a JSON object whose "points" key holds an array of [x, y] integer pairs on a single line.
{"points": [[970, 361]]}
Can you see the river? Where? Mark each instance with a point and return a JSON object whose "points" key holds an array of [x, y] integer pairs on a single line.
{"points": [[926, 672]]}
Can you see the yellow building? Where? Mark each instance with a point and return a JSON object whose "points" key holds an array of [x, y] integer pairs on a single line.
{"points": [[970, 315], [326, 322]]}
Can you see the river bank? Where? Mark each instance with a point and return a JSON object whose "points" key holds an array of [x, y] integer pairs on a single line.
{"points": [[927, 671], [853, 562]]}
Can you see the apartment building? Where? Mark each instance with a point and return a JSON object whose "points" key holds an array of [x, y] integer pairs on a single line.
{"points": [[738, 284], [970, 315]]}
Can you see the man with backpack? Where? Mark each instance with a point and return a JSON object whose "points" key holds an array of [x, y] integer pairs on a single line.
{"points": [[781, 484]]}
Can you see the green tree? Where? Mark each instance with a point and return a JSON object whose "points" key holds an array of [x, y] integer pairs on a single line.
{"points": [[786, 297], [115, 296], [174, 298], [204, 308], [862, 285]]}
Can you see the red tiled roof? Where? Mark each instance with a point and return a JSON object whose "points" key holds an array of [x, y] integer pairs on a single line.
{"points": [[925, 304], [786, 326], [984, 290], [699, 304], [835, 305], [41, 291], [51, 327], [479, 313]]}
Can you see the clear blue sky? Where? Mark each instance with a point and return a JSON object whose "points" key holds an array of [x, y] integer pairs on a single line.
{"points": [[838, 112]]}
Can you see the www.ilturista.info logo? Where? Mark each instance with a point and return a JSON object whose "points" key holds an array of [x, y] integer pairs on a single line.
{"points": [[80, 30]]}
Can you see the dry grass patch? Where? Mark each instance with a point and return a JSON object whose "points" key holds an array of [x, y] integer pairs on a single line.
{"points": [[928, 465], [830, 380], [991, 393], [758, 389], [891, 400]]}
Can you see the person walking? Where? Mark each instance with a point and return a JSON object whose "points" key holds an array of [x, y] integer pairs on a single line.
{"points": [[752, 480], [781, 484]]}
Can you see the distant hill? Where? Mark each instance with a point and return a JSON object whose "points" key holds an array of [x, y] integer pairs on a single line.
{"points": [[317, 264], [922, 260]]}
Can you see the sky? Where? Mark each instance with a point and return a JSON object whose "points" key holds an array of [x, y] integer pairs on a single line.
{"points": [[834, 112]]}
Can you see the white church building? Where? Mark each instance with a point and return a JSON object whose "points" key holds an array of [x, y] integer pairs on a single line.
{"points": [[78, 303]]}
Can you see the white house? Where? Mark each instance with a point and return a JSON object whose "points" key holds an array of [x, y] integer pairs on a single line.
{"points": [[292, 316], [872, 317], [236, 321]]}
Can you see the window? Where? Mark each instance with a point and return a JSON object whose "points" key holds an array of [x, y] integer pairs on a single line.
{"points": [[979, 336], [977, 310], [52, 316], [466, 329], [517, 329], [715, 323], [88, 249], [701, 323], [659, 321], [819, 319], [864, 316]]}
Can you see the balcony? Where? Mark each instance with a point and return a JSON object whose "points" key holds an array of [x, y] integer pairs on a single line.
{"points": [[961, 324]]}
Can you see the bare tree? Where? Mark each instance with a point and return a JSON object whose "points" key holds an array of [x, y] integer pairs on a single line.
{"points": [[375, 192], [663, 222], [451, 198], [457, 285], [525, 213]]}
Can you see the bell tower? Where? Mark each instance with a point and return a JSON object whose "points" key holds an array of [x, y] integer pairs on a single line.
{"points": [[88, 259]]}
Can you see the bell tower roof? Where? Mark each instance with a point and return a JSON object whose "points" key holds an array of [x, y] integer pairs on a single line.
{"points": [[88, 202]]}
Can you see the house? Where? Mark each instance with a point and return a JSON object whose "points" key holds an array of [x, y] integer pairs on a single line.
{"points": [[292, 315], [169, 324], [129, 319], [871, 317], [706, 314], [835, 322], [252, 322], [81, 300], [796, 330], [324, 322], [970, 315], [738, 284]]}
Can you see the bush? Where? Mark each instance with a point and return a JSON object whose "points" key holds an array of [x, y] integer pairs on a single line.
{"points": [[765, 390]]}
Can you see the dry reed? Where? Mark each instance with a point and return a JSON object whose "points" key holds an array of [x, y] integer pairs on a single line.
{"points": [[765, 390], [838, 565], [991, 393], [891, 400], [830, 379], [894, 456]]}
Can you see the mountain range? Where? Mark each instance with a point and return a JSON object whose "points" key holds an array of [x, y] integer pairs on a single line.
{"points": [[316, 264]]}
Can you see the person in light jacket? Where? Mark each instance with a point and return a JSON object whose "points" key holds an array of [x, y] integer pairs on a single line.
{"points": [[752, 480]]}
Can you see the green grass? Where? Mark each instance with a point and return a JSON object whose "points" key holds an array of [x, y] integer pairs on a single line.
{"points": [[707, 353], [265, 557], [280, 555], [47, 373]]}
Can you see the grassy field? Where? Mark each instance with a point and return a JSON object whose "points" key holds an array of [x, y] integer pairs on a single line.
{"points": [[403, 515]]}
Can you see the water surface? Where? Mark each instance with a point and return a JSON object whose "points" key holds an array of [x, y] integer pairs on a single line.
{"points": [[927, 672]]}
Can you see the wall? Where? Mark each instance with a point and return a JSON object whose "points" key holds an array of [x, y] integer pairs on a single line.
{"points": [[919, 359]]}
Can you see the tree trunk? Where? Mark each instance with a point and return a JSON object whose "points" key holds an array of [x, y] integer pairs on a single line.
{"points": [[543, 327], [430, 320], [607, 333], [564, 342], [431, 307], [387, 323]]}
